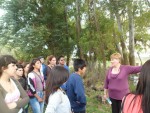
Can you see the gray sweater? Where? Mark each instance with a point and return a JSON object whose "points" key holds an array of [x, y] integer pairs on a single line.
{"points": [[20, 103]]}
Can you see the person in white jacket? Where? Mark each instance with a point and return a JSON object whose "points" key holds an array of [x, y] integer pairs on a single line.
{"points": [[56, 99]]}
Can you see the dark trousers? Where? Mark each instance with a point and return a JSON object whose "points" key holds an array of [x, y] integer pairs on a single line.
{"points": [[80, 112], [116, 105]]}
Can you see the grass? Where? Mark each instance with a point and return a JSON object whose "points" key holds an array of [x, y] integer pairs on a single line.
{"points": [[95, 106]]}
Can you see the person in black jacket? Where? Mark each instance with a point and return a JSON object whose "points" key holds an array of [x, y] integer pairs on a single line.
{"points": [[19, 76]]}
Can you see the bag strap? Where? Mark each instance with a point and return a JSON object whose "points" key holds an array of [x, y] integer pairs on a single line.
{"points": [[38, 77], [42, 81]]}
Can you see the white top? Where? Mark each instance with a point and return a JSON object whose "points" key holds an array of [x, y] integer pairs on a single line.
{"points": [[13, 96], [58, 103]]}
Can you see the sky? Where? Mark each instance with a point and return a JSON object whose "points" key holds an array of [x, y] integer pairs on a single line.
{"points": [[2, 12]]}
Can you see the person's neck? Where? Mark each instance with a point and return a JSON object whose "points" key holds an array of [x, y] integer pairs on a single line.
{"points": [[117, 66], [35, 70], [51, 66], [26, 74], [17, 77], [77, 72], [5, 78], [61, 64]]}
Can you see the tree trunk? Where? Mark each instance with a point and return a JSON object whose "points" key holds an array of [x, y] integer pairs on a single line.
{"points": [[90, 36], [118, 47], [131, 34], [67, 35], [120, 29], [78, 28], [99, 36], [123, 45], [140, 58]]}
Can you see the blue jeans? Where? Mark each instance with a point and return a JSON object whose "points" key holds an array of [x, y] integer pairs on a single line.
{"points": [[37, 107]]}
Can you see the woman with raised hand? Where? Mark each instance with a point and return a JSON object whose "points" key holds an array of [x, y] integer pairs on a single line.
{"points": [[116, 82], [12, 96], [56, 98], [36, 86]]}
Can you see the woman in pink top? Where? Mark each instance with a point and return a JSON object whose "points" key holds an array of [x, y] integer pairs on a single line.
{"points": [[12, 96], [116, 82], [139, 102]]}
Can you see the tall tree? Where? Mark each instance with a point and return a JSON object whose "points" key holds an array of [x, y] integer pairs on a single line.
{"points": [[115, 8], [78, 27], [101, 47], [131, 33], [27, 18]]}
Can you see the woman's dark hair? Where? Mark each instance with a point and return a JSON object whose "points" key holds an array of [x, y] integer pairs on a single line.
{"points": [[57, 76], [20, 66], [5, 60], [143, 87], [24, 64], [49, 58], [33, 63], [79, 63], [60, 57]]}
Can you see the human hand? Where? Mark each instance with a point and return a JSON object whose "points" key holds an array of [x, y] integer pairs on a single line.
{"points": [[105, 96], [40, 99], [12, 105]]}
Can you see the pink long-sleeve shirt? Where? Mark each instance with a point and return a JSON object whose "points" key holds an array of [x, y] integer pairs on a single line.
{"points": [[117, 84]]}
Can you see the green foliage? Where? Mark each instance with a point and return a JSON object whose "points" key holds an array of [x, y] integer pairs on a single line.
{"points": [[37, 27]]}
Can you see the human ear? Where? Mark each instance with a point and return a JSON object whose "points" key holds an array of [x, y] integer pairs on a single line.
{"points": [[3, 68]]}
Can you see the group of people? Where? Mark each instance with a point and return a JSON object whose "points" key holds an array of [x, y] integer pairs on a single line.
{"points": [[37, 84], [62, 92]]}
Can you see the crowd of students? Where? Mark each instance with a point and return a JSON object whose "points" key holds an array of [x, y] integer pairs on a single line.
{"points": [[37, 84]]}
